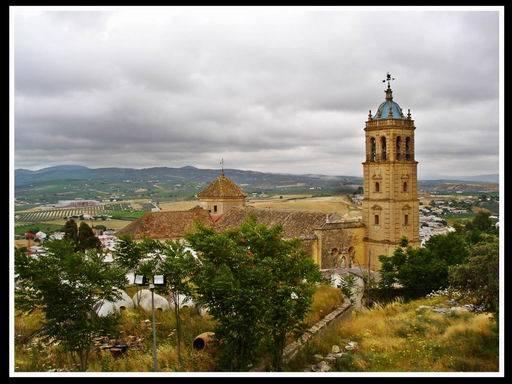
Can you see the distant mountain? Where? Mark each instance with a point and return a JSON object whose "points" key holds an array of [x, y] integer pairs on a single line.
{"points": [[193, 174], [492, 178], [24, 177]]}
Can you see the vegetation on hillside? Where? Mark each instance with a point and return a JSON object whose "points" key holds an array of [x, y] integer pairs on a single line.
{"points": [[445, 259], [65, 285], [403, 337], [257, 287]]}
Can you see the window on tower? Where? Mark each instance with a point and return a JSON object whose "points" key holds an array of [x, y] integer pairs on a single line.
{"points": [[373, 149], [214, 208], [406, 219], [377, 187], [405, 186], [407, 148], [383, 147], [376, 219], [398, 147]]}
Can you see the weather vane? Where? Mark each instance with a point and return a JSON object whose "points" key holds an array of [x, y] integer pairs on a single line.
{"points": [[388, 79]]}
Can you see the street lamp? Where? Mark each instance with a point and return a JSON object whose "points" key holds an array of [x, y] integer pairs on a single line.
{"points": [[157, 280]]}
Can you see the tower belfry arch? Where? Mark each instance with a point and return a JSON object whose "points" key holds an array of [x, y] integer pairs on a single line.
{"points": [[390, 203]]}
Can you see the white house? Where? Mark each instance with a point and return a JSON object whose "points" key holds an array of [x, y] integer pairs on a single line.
{"points": [[57, 236], [41, 235]]}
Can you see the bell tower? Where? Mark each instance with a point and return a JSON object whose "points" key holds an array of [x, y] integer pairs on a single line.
{"points": [[390, 203]]}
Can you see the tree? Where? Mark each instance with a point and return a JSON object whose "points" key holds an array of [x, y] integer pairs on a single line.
{"points": [[178, 266], [422, 270], [258, 287], [67, 284], [86, 238], [100, 227], [127, 255], [475, 230], [70, 230], [478, 278]]}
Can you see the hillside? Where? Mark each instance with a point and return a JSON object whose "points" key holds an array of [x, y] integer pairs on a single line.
{"points": [[161, 184], [48, 185], [423, 335]]}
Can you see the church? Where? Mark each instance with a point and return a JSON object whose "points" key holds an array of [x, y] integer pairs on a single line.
{"points": [[390, 203]]}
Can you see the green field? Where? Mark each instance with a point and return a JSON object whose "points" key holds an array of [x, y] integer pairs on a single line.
{"points": [[451, 219], [125, 215], [36, 227]]}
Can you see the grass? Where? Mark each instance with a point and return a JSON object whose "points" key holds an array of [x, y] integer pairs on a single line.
{"points": [[325, 299], [33, 354], [451, 219], [398, 338], [45, 227], [110, 224], [125, 215], [178, 205], [339, 204]]}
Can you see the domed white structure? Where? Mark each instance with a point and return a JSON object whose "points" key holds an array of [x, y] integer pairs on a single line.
{"points": [[184, 302], [106, 307], [143, 299]]}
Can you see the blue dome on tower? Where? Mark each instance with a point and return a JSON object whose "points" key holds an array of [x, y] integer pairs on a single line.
{"points": [[389, 109]]}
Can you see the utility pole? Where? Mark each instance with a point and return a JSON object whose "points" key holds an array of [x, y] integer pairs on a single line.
{"points": [[155, 361]]}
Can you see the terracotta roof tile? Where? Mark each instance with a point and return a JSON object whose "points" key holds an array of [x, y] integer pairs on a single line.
{"points": [[166, 225], [222, 187], [300, 224]]}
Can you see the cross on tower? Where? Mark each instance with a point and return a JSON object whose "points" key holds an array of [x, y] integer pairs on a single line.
{"points": [[222, 166], [388, 79]]}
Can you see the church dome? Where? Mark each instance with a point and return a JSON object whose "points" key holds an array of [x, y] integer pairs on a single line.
{"points": [[222, 187], [385, 107], [389, 109]]}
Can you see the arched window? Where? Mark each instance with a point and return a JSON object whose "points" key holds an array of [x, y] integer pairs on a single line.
{"points": [[407, 148], [383, 147], [405, 186], [406, 219], [373, 149], [398, 147], [377, 187], [376, 219]]}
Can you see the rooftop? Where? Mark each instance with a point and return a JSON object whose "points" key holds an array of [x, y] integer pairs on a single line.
{"points": [[222, 187], [166, 225]]}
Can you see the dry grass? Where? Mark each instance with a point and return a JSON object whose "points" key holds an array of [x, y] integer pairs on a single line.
{"points": [[114, 224], [338, 204], [325, 299], [178, 205], [21, 243], [34, 355], [399, 338]]}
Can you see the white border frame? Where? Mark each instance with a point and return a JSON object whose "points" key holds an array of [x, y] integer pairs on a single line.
{"points": [[500, 373]]}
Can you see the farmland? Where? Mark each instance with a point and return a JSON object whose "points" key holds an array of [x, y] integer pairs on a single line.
{"points": [[122, 211], [339, 204]]}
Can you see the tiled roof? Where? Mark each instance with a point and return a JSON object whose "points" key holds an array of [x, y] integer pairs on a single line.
{"points": [[300, 224], [166, 225], [175, 224], [222, 187]]}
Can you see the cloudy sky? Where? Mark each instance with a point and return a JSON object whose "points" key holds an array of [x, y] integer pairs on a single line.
{"points": [[275, 90]]}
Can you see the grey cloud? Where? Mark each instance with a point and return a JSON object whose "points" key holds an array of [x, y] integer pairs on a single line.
{"points": [[284, 91]]}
